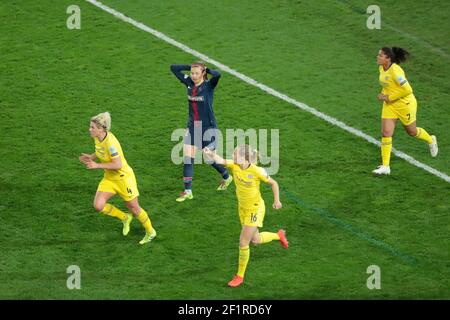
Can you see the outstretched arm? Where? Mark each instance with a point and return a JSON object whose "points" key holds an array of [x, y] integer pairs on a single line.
{"points": [[215, 77], [215, 157], [177, 71]]}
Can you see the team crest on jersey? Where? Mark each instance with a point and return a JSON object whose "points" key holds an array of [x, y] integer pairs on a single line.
{"points": [[386, 78], [250, 176]]}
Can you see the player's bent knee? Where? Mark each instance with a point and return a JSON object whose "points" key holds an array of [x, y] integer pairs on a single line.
{"points": [[244, 243], [98, 206], [134, 208]]}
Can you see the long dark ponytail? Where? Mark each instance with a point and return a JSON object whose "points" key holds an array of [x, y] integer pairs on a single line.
{"points": [[396, 54]]}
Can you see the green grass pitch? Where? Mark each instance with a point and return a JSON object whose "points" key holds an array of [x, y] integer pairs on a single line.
{"points": [[338, 217]]}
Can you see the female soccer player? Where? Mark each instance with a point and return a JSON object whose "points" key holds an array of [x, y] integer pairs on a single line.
{"points": [[118, 178], [202, 120], [398, 103], [247, 177]]}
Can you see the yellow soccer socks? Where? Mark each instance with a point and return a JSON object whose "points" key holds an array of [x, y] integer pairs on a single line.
{"points": [[386, 148], [386, 144], [145, 220], [244, 257], [112, 211], [422, 134], [266, 237]]}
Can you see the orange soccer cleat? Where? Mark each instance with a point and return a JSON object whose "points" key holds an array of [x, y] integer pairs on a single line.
{"points": [[237, 281], [283, 240]]}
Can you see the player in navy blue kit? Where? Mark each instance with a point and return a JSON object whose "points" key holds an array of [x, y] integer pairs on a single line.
{"points": [[202, 120]]}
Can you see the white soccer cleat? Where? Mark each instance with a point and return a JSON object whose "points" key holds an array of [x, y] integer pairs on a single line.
{"points": [[225, 183], [382, 170], [148, 237], [433, 147]]}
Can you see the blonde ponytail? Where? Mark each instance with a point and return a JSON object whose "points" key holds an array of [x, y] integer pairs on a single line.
{"points": [[103, 120]]}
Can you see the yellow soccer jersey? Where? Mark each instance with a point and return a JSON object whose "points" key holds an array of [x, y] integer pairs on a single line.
{"points": [[247, 183], [394, 84], [109, 149]]}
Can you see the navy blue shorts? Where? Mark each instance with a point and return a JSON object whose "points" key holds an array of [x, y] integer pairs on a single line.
{"points": [[201, 137]]}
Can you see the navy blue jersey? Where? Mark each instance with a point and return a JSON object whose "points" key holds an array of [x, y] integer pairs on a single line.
{"points": [[200, 97]]}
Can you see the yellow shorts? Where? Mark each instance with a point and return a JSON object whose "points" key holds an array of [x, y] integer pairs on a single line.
{"points": [[253, 217], [125, 187], [405, 111]]}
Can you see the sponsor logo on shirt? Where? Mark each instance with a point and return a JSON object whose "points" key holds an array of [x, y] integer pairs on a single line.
{"points": [[197, 98], [248, 183]]}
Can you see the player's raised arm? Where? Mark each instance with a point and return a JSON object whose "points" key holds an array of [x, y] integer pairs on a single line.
{"points": [[276, 194], [215, 77], [215, 157], [177, 71]]}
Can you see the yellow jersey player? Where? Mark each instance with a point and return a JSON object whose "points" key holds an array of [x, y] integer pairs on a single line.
{"points": [[118, 177], [399, 102], [247, 177]]}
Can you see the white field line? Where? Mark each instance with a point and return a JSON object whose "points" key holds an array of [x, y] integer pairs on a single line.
{"points": [[268, 90]]}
